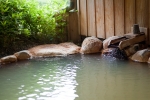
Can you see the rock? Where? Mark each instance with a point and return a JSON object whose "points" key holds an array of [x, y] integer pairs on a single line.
{"points": [[91, 45], [148, 60], [107, 41], [107, 51], [8, 59], [132, 49], [71, 48], [141, 56], [49, 50], [115, 53], [22, 55]]}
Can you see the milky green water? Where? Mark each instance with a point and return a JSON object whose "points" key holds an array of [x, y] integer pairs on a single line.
{"points": [[75, 77]]}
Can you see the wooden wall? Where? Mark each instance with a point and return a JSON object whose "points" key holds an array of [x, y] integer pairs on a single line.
{"points": [[105, 18]]}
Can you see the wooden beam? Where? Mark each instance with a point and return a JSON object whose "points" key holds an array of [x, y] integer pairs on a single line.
{"points": [[109, 18], [83, 17], [142, 12], [100, 18], [119, 17], [129, 15], [91, 17], [131, 41], [79, 21], [73, 27], [149, 24]]}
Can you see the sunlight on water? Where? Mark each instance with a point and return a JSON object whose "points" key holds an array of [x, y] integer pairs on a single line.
{"points": [[75, 77]]}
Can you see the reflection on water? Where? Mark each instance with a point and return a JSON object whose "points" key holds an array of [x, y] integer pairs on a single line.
{"points": [[40, 79], [76, 77]]}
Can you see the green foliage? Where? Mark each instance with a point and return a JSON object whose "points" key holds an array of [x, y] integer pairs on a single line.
{"points": [[23, 21]]}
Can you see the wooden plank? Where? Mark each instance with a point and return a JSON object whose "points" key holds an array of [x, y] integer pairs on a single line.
{"points": [[142, 14], [73, 27], [91, 17], [149, 26], [119, 17], [83, 17], [117, 40], [129, 15], [78, 13], [68, 27], [131, 41], [109, 18], [75, 4], [100, 18]]}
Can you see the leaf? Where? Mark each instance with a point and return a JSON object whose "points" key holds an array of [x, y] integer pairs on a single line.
{"points": [[6, 9], [3, 23]]}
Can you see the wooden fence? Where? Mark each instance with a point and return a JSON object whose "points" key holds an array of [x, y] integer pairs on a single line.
{"points": [[105, 18]]}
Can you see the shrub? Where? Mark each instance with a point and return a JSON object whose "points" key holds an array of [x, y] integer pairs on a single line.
{"points": [[23, 22]]}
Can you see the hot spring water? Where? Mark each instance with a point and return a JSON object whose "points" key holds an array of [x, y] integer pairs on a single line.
{"points": [[75, 77]]}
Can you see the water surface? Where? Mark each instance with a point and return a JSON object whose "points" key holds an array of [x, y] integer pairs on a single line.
{"points": [[75, 77]]}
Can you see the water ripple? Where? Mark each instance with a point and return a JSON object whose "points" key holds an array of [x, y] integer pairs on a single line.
{"points": [[66, 78]]}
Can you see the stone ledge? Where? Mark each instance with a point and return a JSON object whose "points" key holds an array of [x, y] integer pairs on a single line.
{"points": [[49, 50]]}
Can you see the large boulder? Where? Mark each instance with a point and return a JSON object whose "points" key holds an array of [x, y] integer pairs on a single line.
{"points": [[49, 50], [141, 56], [91, 45], [22, 55], [8, 59], [107, 41]]}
